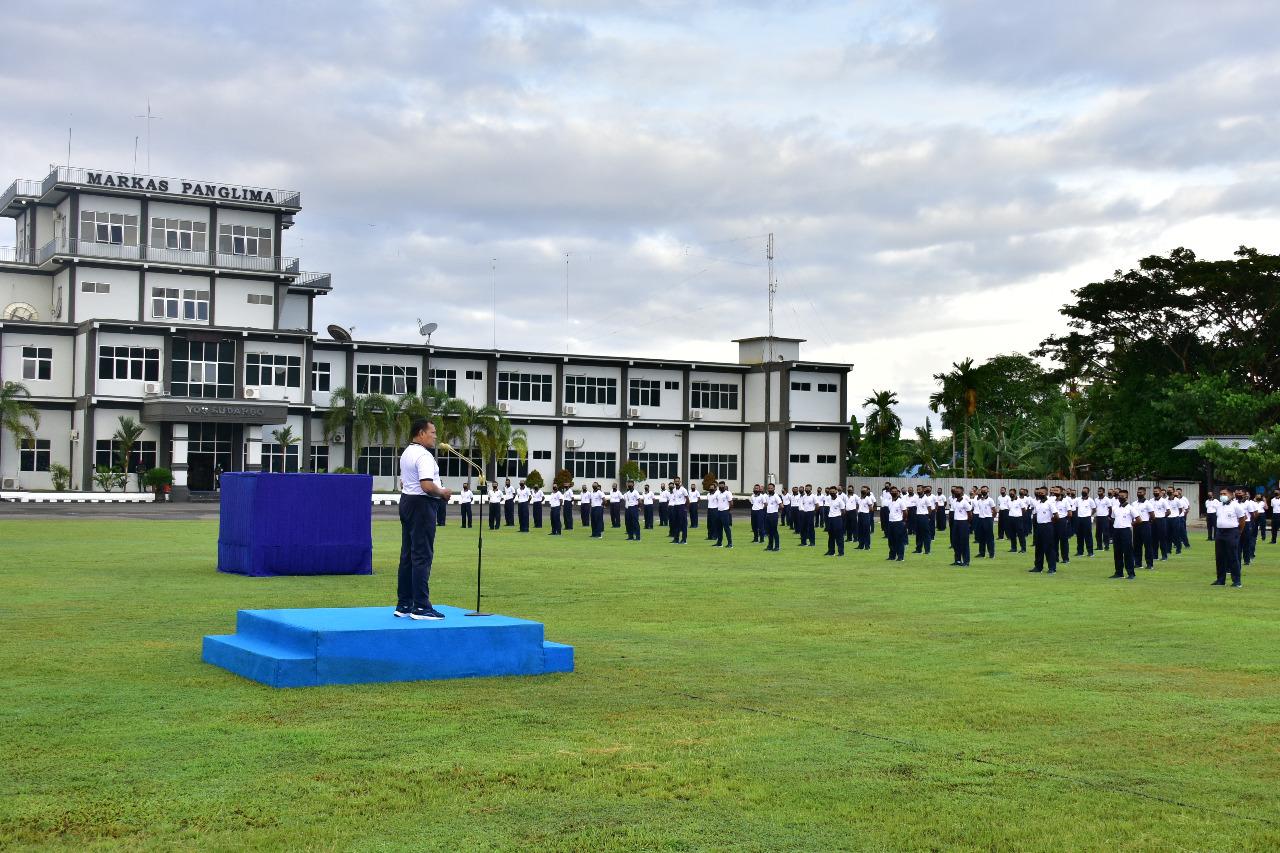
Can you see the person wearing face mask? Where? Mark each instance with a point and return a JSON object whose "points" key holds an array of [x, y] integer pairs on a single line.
{"points": [[1211, 505], [1014, 527], [835, 522], [1122, 536], [1046, 539], [724, 512], [808, 506], [960, 509], [1230, 519]]}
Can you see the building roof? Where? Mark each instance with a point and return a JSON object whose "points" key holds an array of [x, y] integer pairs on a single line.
{"points": [[767, 338], [1236, 442]]}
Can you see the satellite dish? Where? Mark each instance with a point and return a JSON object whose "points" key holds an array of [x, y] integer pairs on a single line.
{"points": [[425, 329], [338, 333], [20, 311]]}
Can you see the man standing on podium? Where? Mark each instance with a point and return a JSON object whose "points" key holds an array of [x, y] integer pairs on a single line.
{"points": [[420, 489]]}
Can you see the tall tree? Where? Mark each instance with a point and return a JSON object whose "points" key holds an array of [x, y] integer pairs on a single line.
{"points": [[958, 399], [18, 417], [126, 436], [884, 428]]}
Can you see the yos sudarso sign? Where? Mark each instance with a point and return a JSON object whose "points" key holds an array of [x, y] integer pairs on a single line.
{"points": [[191, 188]]}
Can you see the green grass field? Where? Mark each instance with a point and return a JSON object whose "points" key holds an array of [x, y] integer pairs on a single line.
{"points": [[722, 700]]}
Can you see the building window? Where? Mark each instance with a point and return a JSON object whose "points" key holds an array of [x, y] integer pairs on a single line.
{"points": [[593, 390], [801, 386], [261, 299], [320, 458], [143, 457], [713, 395], [138, 363], [118, 229], [262, 369], [185, 235], [723, 465], [320, 376], [799, 458], [475, 375], [452, 466], [444, 379], [828, 387], [541, 454], [644, 392], [658, 466], [525, 387], [204, 369], [34, 455], [671, 385], [195, 305], [379, 461], [37, 362], [244, 240], [95, 287], [280, 459], [164, 303], [826, 458], [513, 467], [386, 379], [591, 463]]}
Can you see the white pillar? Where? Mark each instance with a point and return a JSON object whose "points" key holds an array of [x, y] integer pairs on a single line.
{"points": [[253, 447], [178, 464]]}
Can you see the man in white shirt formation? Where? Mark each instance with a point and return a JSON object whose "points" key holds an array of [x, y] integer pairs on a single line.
{"points": [[713, 517], [836, 504], [850, 521], [1121, 516], [595, 503], [1045, 515], [1249, 537], [536, 500], [615, 506], [1144, 546], [677, 512], [1211, 505], [495, 506], [1159, 507], [584, 506], [886, 495], [960, 510], [566, 505], [691, 508], [509, 502], [554, 499], [896, 528], [723, 508], [1085, 506], [757, 513], [1275, 515], [984, 510], [1063, 515], [866, 518], [772, 504], [1103, 501], [647, 500], [921, 512], [523, 495], [803, 508], [465, 501], [1013, 529], [631, 505], [419, 490], [664, 498], [1231, 518]]}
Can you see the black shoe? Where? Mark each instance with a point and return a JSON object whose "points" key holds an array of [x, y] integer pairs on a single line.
{"points": [[429, 613], [402, 610], [1033, 571], [1218, 583], [1237, 585], [1053, 571], [1116, 575]]}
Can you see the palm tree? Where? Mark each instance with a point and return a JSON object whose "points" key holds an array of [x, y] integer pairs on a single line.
{"points": [[18, 416], [461, 422], [958, 396], [929, 449], [883, 422], [370, 417], [126, 436], [496, 439], [1068, 445], [286, 439]]}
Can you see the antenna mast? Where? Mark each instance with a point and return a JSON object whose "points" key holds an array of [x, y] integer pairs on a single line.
{"points": [[768, 367]]}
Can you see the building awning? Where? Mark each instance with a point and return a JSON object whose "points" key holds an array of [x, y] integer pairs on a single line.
{"points": [[1235, 442]]}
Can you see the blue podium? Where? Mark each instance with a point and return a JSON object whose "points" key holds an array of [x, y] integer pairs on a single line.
{"points": [[359, 645], [295, 524]]}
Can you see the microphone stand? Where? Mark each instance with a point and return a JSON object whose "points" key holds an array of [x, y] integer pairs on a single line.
{"points": [[480, 482]]}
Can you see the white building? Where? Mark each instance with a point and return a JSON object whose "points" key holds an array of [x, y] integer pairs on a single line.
{"points": [[170, 301]]}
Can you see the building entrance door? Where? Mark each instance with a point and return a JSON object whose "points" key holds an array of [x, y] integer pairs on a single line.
{"points": [[210, 452], [200, 472]]}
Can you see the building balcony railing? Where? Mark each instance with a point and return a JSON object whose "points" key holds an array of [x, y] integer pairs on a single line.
{"points": [[14, 255], [28, 189], [315, 280], [174, 257], [150, 183]]}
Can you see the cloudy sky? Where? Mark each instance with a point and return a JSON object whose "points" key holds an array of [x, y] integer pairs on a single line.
{"points": [[938, 175]]}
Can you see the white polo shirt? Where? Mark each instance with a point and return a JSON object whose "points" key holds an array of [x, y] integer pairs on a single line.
{"points": [[1084, 508], [417, 464], [538, 496], [1230, 513], [1045, 511], [679, 497], [1102, 507], [772, 503], [631, 497], [807, 502], [647, 498], [465, 497], [553, 499], [960, 508], [837, 506], [596, 498], [897, 509], [1124, 517]]}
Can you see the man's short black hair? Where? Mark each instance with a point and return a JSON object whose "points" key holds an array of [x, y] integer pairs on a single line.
{"points": [[418, 426]]}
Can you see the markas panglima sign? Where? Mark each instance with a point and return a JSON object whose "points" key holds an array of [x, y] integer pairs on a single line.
{"points": [[191, 188]]}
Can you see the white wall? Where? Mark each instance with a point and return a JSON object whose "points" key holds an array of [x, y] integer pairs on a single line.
{"points": [[814, 406], [60, 385], [123, 387], [276, 392], [753, 468], [294, 313], [60, 306], [813, 444], [473, 392], [232, 308], [35, 290], [596, 410], [719, 415], [55, 425], [671, 403], [171, 210], [78, 363], [111, 204], [121, 303], [523, 407]]}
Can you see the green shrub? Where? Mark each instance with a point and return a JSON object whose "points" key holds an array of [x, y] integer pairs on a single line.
{"points": [[157, 479], [343, 469], [563, 479], [61, 476], [534, 480]]}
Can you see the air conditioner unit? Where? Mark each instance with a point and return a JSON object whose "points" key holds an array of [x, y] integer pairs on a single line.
{"points": [[570, 410], [572, 443], [252, 394], [695, 414], [10, 483], [75, 435], [635, 445], [633, 413], [337, 439], [504, 406], [152, 389]]}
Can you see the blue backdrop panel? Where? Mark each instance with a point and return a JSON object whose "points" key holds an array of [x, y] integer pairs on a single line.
{"points": [[296, 524], [358, 645]]}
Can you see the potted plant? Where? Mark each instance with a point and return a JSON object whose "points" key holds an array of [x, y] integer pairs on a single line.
{"points": [[158, 480], [61, 476]]}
